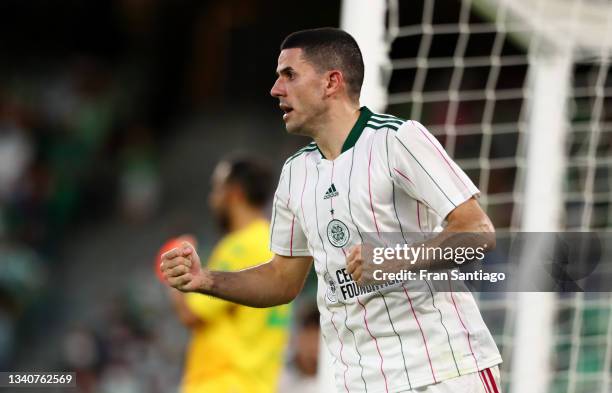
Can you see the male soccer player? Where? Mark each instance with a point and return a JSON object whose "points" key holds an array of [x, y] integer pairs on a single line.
{"points": [[363, 173], [233, 348]]}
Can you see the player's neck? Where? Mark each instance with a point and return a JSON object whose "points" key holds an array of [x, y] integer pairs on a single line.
{"points": [[242, 215], [331, 135]]}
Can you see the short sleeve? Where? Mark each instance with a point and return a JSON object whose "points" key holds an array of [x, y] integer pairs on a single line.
{"points": [[421, 167], [286, 235]]}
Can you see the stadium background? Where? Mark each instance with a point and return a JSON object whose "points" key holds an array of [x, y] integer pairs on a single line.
{"points": [[112, 116]]}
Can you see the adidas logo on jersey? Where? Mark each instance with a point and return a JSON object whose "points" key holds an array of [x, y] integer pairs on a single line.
{"points": [[331, 192]]}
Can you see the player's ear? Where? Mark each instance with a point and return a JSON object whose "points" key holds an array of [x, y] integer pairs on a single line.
{"points": [[335, 81]]}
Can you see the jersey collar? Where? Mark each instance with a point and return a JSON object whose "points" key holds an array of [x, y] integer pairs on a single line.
{"points": [[356, 131]]}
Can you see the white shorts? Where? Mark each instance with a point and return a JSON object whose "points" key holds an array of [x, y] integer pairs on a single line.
{"points": [[485, 381]]}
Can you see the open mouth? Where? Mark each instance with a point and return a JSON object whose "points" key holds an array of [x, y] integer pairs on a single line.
{"points": [[286, 109]]}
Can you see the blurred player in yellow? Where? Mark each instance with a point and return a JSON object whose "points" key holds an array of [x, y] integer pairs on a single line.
{"points": [[234, 348]]}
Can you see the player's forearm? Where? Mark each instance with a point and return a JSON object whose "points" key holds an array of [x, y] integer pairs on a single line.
{"points": [[469, 234], [477, 235], [259, 286], [429, 257], [468, 228]]}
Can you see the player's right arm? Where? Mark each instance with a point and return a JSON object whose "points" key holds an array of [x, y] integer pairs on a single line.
{"points": [[270, 284], [273, 283]]}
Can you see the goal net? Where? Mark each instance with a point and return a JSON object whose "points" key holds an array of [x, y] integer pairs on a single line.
{"points": [[519, 92]]}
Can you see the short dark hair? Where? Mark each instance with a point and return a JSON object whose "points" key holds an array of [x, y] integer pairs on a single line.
{"points": [[330, 48], [254, 175]]}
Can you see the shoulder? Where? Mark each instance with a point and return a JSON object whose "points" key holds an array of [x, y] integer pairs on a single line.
{"points": [[308, 148], [246, 245], [285, 174], [234, 241], [408, 131], [254, 233]]}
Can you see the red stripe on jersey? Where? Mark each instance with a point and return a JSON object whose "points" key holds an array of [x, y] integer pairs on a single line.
{"points": [[292, 220], [289, 199], [441, 155], [291, 244], [483, 380], [492, 380], [365, 319], [402, 175], [370, 189], [418, 209], [422, 334], [341, 348]]}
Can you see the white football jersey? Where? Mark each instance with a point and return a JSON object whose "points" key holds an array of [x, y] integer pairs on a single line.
{"points": [[392, 176]]}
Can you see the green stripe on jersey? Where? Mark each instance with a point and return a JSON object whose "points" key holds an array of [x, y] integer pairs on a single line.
{"points": [[302, 150], [308, 148], [379, 126], [357, 129], [386, 116], [377, 122], [390, 119]]}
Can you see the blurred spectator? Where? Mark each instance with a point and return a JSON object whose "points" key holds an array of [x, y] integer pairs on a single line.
{"points": [[16, 149], [234, 348], [120, 379], [22, 277], [139, 180], [22, 273], [82, 354], [8, 320], [300, 374], [123, 354]]}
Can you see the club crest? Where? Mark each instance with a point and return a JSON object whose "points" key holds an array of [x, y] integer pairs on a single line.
{"points": [[337, 233]]}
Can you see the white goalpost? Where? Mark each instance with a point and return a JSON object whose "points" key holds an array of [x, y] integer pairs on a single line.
{"points": [[519, 92]]}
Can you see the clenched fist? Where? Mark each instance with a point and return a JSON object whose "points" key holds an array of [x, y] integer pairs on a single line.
{"points": [[362, 269], [182, 270], [354, 264]]}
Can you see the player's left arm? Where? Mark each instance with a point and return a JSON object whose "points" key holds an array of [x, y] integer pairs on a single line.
{"points": [[421, 168], [469, 217], [467, 226]]}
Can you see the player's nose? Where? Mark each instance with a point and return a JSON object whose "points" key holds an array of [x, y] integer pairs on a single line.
{"points": [[277, 89]]}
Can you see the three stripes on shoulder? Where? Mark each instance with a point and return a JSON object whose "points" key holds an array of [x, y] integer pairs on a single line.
{"points": [[378, 121]]}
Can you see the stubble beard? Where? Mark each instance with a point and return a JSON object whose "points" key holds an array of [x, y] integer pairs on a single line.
{"points": [[297, 129], [307, 127]]}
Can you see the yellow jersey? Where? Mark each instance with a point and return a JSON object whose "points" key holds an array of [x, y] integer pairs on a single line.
{"points": [[236, 349]]}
